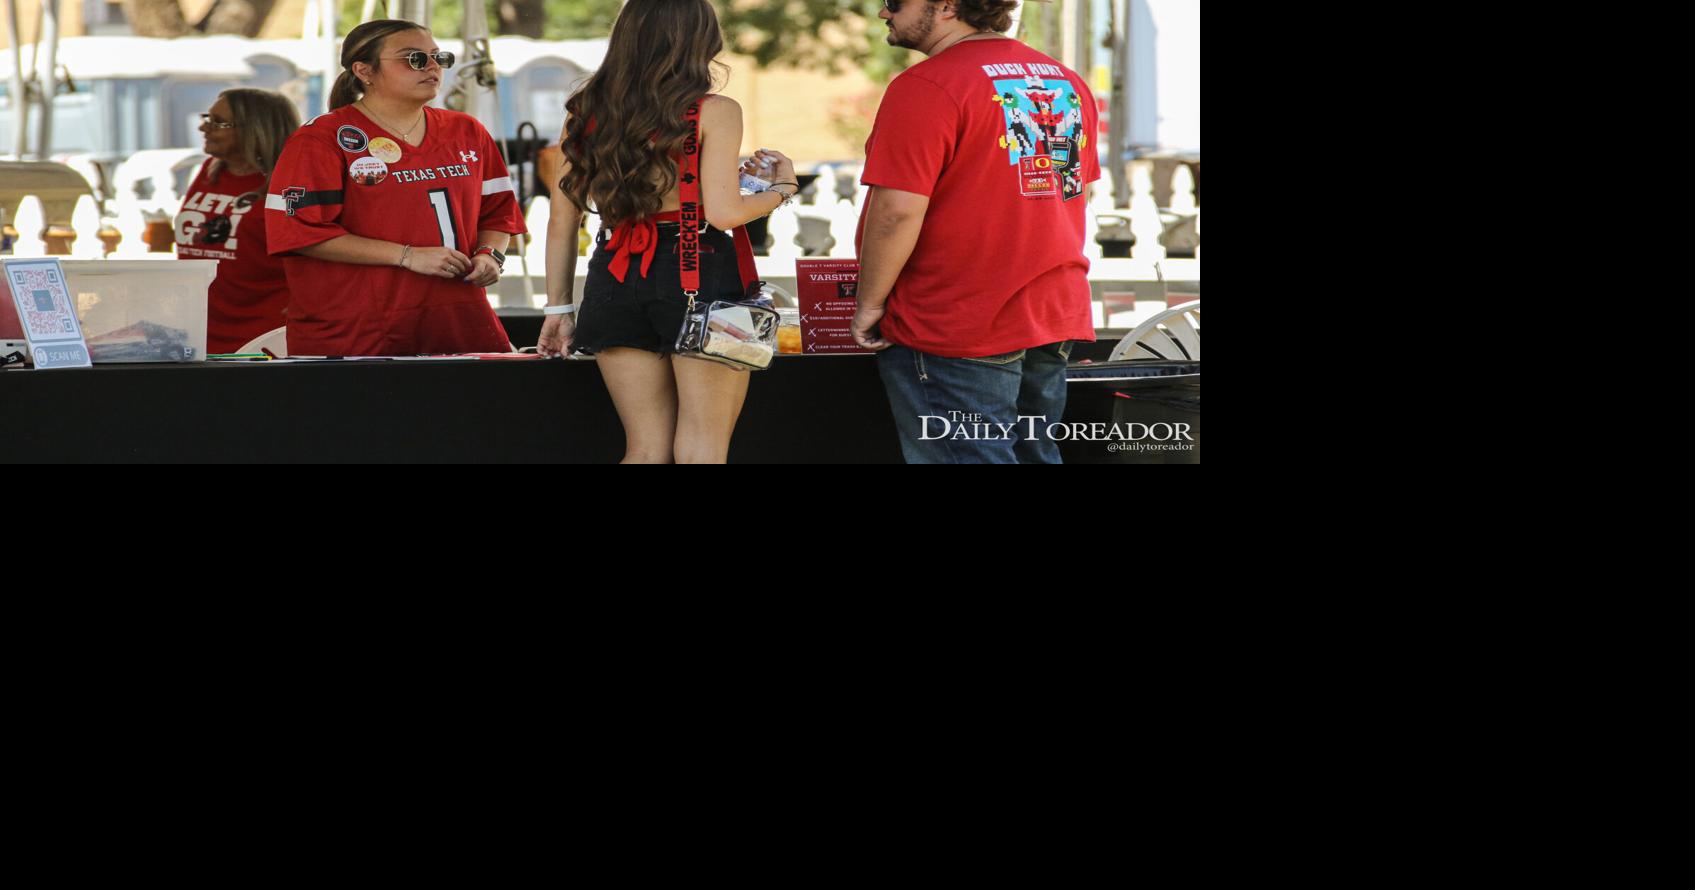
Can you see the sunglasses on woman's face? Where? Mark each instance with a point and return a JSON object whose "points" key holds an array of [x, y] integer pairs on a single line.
{"points": [[419, 60], [206, 120]]}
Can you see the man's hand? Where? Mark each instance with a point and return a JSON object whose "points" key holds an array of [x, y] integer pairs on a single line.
{"points": [[864, 321]]}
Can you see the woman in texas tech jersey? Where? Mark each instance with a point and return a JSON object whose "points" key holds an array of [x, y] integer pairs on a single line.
{"points": [[391, 215]]}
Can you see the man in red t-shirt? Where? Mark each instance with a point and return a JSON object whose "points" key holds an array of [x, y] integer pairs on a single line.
{"points": [[973, 281]]}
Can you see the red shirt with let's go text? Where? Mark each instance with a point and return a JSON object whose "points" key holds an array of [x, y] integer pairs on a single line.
{"points": [[225, 221], [1001, 138]]}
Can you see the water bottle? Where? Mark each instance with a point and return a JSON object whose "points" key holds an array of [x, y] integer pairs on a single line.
{"points": [[753, 185]]}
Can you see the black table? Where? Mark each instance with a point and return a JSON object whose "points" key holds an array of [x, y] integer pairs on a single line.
{"points": [[806, 409], [523, 328], [811, 409]]}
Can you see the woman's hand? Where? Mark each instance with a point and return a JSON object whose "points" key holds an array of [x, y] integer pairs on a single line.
{"points": [[485, 272], [782, 169], [557, 332], [442, 262]]}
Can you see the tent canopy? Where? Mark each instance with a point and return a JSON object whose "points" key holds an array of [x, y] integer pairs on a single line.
{"points": [[224, 56]]}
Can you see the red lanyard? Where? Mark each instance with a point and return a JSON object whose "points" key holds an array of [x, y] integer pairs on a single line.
{"points": [[689, 194], [689, 250]]}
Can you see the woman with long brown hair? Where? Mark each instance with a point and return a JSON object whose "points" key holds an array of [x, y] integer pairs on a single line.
{"points": [[392, 214], [625, 135]]}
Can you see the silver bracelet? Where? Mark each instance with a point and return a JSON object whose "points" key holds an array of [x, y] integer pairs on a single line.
{"points": [[566, 309], [403, 255]]}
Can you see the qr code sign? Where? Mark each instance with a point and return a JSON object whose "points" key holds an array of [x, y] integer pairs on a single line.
{"points": [[45, 313]]}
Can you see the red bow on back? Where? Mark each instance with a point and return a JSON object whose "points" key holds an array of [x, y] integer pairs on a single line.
{"points": [[632, 236]]}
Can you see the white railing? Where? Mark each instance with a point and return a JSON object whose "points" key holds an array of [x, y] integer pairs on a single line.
{"points": [[826, 226], [131, 224], [823, 228], [154, 172]]}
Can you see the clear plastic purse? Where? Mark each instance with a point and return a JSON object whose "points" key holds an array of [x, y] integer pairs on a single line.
{"points": [[741, 334]]}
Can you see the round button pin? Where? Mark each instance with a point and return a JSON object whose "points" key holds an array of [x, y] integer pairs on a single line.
{"points": [[368, 171], [385, 149]]}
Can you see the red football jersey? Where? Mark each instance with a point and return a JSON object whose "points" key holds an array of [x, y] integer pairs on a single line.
{"points": [[249, 295], [1002, 140], [344, 174]]}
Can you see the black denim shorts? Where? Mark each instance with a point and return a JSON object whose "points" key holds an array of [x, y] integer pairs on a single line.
{"points": [[647, 313]]}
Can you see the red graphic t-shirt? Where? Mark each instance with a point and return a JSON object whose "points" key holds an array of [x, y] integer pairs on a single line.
{"points": [[1001, 138], [248, 296], [343, 174]]}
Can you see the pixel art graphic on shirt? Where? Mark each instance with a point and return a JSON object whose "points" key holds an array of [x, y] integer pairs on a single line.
{"points": [[1044, 133]]}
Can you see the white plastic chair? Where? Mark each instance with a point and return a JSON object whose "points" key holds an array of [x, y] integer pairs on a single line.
{"points": [[1172, 335], [156, 172], [276, 341]]}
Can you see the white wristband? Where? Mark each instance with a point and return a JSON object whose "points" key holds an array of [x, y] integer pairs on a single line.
{"points": [[566, 309]]}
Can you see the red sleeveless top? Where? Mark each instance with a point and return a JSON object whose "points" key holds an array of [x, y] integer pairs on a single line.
{"points": [[639, 236]]}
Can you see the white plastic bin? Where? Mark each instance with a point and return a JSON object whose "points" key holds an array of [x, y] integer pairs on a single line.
{"points": [[142, 311]]}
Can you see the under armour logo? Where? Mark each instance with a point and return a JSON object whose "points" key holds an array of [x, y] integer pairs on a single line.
{"points": [[469, 157]]}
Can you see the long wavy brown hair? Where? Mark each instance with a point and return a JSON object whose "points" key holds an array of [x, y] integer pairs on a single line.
{"points": [[626, 123]]}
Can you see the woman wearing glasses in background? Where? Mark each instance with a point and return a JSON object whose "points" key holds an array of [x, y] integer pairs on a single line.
{"points": [[391, 216], [244, 134]]}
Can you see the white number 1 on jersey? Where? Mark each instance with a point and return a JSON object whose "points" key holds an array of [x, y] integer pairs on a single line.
{"points": [[444, 218]]}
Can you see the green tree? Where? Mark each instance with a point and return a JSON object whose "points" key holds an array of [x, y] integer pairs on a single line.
{"points": [[164, 18], [579, 19], [793, 33], [813, 34], [540, 19]]}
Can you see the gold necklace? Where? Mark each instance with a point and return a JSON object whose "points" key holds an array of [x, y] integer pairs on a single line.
{"points": [[404, 136]]}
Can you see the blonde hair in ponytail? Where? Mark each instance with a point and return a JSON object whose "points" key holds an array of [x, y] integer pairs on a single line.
{"points": [[363, 44]]}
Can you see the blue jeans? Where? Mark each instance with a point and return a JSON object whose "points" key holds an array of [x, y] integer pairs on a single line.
{"points": [[969, 410]]}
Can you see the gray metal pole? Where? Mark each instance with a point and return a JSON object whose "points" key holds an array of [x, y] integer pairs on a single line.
{"points": [[20, 92], [1086, 40], [1070, 50], [1119, 131], [49, 78], [328, 29], [1079, 43]]}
